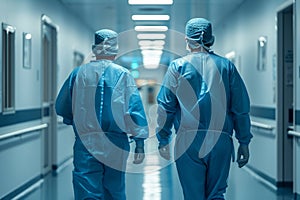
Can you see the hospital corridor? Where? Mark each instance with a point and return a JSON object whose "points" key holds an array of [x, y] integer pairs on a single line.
{"points": [[150, 99]]}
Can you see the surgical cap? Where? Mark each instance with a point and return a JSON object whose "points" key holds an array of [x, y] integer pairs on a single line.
{"points": [[198, 29], [106, 42]]}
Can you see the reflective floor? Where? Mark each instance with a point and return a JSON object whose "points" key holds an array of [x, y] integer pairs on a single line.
{"points": [[163, 185]]}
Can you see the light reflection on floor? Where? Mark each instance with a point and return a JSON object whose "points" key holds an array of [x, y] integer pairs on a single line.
{"points": [[156, 179], [161, 185]]}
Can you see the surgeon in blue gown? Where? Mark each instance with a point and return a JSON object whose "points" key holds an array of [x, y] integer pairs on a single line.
{"points": [[204, 98], [102, 103]]}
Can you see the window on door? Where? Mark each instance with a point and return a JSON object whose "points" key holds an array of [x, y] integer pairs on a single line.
{"points": [[8, 69]]}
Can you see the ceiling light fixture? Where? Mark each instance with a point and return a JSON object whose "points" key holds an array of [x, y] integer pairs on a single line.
{"points": [[151, 42], [150, 17], [151, 47], [150, 2], [151, 36], [152, 53], [151, 28], [151, 62]]}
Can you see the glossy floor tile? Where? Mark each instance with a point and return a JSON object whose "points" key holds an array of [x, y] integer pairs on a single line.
{"points": [[162, 185]]}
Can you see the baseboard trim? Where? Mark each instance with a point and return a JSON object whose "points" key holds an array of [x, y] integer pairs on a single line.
{"points": [[25, 189]]}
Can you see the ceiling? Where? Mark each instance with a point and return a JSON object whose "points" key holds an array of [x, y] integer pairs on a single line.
{"points": [[116, 15]]}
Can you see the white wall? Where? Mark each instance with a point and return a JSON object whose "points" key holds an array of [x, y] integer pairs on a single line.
{"points": [[25, 15], [239, 32], [15, 168]]}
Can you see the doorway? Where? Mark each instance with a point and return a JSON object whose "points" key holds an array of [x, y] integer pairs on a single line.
{"points": [[49, 84], [285, 94]]}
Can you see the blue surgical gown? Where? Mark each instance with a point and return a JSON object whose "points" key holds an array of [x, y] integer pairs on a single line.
{"points": [[205, 99], [102, 103]]}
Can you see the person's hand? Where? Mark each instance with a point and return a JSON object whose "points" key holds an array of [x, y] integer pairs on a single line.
{"points": [[164, 152], [139, 155], [242, 155]]}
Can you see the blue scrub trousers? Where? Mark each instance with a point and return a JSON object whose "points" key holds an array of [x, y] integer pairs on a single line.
{"points": [[93, 179], [205, 178]]}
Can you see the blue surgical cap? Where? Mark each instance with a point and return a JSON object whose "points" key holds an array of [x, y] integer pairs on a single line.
{"points": [[197, 28], [106, 42]]}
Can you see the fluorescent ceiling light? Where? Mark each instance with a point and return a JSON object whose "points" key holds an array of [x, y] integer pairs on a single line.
{"points": [[151, 42], [151, 28], [151, 36], [150, 62], [152, 47], [150, 2], [150, 17], [152, 53], [151, 58]]}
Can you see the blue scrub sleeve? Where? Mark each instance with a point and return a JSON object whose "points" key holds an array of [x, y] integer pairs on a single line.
{"points": [[63, 104], [135, 116], [240, 107], [167, 106]]}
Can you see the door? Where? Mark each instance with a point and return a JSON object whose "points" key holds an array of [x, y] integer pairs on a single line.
{"points": [[297, 100], [49, 82], [285, 95]]}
